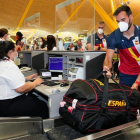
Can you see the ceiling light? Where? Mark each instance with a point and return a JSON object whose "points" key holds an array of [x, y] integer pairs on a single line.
{"points": [[85, 30], [23, 30]]}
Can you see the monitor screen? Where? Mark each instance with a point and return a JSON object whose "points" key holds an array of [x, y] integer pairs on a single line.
{"points": [[46, 74], [74, 70], [56, 64]]}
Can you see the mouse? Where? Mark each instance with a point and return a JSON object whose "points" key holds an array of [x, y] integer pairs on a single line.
{"points": [[56, 91], [64, 84]]}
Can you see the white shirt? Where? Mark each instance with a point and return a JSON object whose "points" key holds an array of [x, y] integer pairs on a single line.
{"points": [[10, 78], [54, 49], [1, 39]]}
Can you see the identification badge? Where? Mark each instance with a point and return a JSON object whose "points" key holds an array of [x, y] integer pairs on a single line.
{"points": [[104, 42]]}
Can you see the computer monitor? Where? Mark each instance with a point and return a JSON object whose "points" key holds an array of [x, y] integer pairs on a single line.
{"points": [[56, 64], [38, 60]]}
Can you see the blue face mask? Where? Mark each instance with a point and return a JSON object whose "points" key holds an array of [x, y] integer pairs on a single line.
{"points": [[15, 58]]}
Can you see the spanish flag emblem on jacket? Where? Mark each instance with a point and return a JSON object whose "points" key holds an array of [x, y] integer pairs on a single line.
{"points": [[136, 42]]}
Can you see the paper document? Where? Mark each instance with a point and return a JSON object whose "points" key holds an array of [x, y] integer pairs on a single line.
{"points": [[56, 78]]}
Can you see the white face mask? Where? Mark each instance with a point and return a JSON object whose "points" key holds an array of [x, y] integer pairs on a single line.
{"points": [[40, 43], [8, 38], [123, 26], [100, 31]]}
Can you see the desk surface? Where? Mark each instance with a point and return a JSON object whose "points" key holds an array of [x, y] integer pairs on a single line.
{"points": [[48, 90]]}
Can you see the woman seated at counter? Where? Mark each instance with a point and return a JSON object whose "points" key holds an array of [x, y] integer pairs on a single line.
{"points": [[13, 101], [50, 44]]}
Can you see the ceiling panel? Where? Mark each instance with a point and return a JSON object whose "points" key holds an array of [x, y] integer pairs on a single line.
{"points": [[12, 11]]}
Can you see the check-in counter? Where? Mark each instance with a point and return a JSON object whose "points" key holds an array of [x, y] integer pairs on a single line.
{"points": [[91, 62]]}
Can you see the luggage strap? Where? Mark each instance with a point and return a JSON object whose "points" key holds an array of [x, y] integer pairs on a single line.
{"points": [[105, 102]]}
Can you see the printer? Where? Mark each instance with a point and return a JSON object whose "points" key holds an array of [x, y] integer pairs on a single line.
{"points": [[76, 73]]}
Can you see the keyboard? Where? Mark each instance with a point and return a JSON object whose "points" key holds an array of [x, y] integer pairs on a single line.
{"points": [[50, 83]]}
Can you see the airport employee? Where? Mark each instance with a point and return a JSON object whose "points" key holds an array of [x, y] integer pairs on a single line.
{"points": [[13, 101], [99, 39], [128, 45], [4, 35]]}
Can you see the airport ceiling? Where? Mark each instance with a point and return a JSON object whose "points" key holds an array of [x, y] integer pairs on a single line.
{"points": [[78, 16]]}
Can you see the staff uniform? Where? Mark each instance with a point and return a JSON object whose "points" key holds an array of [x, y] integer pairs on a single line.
{"points": [[97, 41], [13, 103], [129, 50]]}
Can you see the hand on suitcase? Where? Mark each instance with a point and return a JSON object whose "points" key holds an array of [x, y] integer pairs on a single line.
{"points": [[109, 75], [135, 86]]}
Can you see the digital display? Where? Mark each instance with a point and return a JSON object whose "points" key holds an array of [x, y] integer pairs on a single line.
{"points": [[46, 74], [74, 70], [79, 60], [56, 64], [82, 35]]}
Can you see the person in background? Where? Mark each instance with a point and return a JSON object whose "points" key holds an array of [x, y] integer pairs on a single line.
{"points": [[30, 45], [20, 41], [78, 47], [51, 43], [35, 45], [4, 35], [99, 39], [128, 46], [71, 47], [13, 86], [42, 43], [60, 44]]}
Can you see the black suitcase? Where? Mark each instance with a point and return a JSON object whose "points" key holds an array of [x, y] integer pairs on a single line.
{"points": [[99, 106]]}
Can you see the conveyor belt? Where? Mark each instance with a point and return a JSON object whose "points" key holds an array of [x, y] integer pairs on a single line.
{"points": [[32, 129], [129, 131], [31, 137]]}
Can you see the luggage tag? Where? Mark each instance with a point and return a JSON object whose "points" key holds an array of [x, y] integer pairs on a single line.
{"points": [[74, 102], [104, 42]]}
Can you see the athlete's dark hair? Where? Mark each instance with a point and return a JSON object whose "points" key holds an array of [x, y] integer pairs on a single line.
{"points": [[124, 8]]}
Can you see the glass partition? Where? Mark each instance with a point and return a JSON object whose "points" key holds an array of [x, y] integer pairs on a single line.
{"points": [[75, 19]]}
